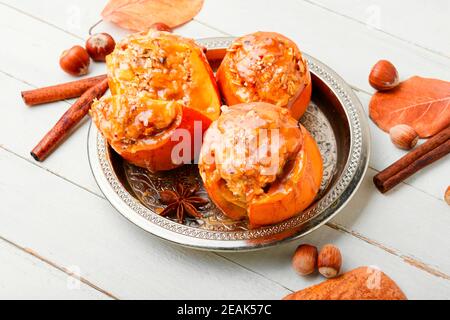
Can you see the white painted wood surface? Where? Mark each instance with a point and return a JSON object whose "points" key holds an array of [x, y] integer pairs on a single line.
{"points": [[59, 237]]}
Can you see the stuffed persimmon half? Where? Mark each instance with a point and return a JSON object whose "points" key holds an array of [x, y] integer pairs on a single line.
{"points": [[257, 162], [162, 87], [268, 67]]}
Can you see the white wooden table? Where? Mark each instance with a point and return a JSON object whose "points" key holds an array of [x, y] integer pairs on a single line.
{"points": [[60, 238]]}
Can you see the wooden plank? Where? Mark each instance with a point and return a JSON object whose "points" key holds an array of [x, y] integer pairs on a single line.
{"points": [[74, 17], [72, 227], [120, 257], [34, 50], [276, 264], [423, 23], [347, 46], [26, 277], [291, 23], [405, 219]]}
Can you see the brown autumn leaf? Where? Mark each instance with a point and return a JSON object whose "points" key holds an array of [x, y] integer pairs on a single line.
{"points": [[421, 103], [139, 15]]}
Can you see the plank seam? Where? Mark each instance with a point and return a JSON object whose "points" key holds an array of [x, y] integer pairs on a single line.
{"points": [[60, 268], [41, 20], [407, 259], [213, 28], [253, 271], [441, 54], [51, 172], [412, 186]]}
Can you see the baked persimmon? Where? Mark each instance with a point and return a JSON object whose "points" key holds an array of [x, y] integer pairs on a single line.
{"points": [[268, 67], [257, 162], [159, 83]]}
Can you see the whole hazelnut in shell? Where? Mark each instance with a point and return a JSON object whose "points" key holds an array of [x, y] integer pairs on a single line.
{"points": [[304, 260], [383, 76], [99, 45], [403, 136], [75, 61], [329, 261]]}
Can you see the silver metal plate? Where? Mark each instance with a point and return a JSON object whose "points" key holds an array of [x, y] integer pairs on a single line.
{"points": [[334, 117]]}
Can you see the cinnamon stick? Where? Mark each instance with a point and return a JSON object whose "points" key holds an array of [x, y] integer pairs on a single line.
{"points": [[427, 153], [59, 92], [68, 120]]}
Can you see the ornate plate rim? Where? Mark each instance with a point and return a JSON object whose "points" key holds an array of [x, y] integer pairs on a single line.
{"points": [[323, 210]]}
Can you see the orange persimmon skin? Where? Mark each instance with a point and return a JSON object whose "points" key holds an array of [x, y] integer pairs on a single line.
{"points": [[229, 89], [159, 157], [298, 104]]}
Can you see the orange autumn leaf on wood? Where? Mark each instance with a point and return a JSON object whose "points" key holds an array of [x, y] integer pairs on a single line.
{"points": [[421, 103], [139, 15]]}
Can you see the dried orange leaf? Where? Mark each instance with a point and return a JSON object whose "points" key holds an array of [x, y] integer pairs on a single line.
{"points": [[421, 103], [139, 15]]}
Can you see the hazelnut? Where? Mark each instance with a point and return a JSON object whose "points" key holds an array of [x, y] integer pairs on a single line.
{"points": [[383, 76], [99, 45], [160, 26], [75, 61], [447, 195], [329, 261], [305, 259], [403, 136]]}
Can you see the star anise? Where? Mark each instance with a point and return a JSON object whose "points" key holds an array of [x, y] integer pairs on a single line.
{"points": [[182, 201]]}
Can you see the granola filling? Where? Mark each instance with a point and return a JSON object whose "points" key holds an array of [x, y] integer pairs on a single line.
{"points": [[158, 65], [252, 147], [266, 68], [131, 120]]}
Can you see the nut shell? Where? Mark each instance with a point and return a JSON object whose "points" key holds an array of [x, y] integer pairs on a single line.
{"points": [[304, 260], [75, 61], [403, 136], [447, 195], [329, 261], [383, 76], [99, 45]]}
